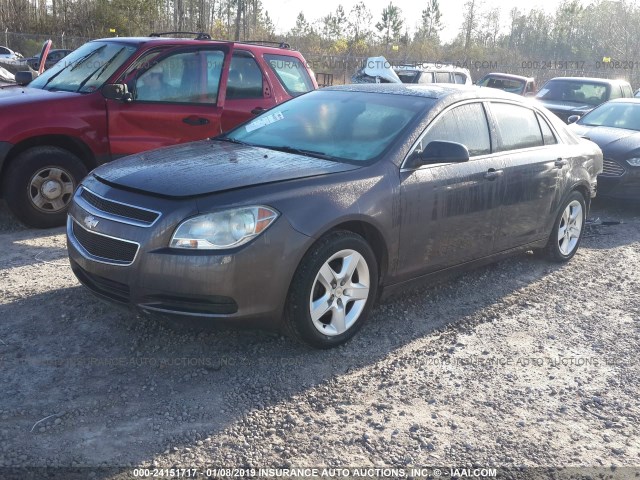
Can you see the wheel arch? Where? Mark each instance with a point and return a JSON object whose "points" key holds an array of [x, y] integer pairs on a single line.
{"points": [[73, 145], [373, 237]]}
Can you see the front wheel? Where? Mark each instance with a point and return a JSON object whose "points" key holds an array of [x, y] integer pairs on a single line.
{"points": [[332, 291], [39, 184], [568, 229]]}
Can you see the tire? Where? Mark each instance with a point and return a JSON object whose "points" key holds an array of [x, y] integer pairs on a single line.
{"points": [[34, 171], [319, 281], [564, 242]]}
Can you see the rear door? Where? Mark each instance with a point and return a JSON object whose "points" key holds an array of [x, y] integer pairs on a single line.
{"points": [[178, 96], [532, 161], [450, 212], [248, 90]]}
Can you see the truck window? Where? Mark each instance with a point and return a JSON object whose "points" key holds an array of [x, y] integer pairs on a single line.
{"points": [[291, 72]]}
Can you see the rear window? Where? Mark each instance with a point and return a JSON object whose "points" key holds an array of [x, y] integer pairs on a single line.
{"points": [[575, 91], [291, 72]]}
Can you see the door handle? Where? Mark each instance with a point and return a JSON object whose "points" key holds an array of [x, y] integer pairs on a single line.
{"points": [[195, 121], [492, 174], [560, 162], [258, 110]]}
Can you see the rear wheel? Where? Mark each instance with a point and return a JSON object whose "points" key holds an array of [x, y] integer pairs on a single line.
{"points": [[39, 184], [567, 230], [332, 291]]}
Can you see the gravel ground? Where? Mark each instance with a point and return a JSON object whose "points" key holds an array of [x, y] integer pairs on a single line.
{"points": [[522, 363]]}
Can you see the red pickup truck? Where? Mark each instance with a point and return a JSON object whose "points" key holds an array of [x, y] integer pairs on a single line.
{"points": [[118, 96]]}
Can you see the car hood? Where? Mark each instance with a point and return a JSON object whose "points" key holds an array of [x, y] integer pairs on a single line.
{"points": [[566, 106], [18, 95], [612, 141], [210, 166]]}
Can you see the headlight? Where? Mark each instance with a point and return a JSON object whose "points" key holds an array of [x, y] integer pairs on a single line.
{"points": [[634, 162], [226, 229]]}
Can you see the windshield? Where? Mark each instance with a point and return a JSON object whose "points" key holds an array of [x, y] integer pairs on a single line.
{"points": [[574, 91], [85, 69], [511, 85], [616, 115], [340, 125]]}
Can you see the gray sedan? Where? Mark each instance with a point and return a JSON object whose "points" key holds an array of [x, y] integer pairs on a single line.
{"points": [[302, 217]]}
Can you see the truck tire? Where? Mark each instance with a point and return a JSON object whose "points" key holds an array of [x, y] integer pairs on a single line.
{"points": [[39, 184]]}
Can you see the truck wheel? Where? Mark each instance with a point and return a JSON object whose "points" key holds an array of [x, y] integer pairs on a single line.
{"points": [[39, 184]]}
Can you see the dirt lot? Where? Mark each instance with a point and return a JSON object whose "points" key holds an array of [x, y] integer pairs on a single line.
{"points": [[522, 363]]}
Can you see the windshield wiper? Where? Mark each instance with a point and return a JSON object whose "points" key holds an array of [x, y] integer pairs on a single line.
{"points": [[80, 60], [101, 69], [300, 151], [231, 140]]}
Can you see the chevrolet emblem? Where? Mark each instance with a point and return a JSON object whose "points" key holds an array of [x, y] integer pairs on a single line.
{"points": [[90, 221]]}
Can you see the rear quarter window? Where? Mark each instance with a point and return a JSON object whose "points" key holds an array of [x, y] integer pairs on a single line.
{"points": [[291, 72]]}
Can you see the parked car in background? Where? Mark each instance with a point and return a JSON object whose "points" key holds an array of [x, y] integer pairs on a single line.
{"points": [[53, 57], [615, 127], [100, 105], [302, 217], [567, 96], [7, 54], [509, 83], [433, 73], [376, 70]]}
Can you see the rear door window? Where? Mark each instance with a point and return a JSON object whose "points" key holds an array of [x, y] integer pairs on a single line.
{"points": [[291, 72], [426, 77], [443, 77], [518, 126], [460, 78], [245, 77]]}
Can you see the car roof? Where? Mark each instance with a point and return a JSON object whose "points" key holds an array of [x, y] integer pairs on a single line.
{"points": [[435, 91], [159, 41], [508, 75], [428, 67], [590, 79]]}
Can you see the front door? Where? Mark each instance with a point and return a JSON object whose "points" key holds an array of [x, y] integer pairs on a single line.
{"points": [[450, 212], [177, 98]]}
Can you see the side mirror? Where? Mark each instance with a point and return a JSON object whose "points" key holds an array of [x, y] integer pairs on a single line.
{"points": [[24, 77], [573, 119], [117, 91], [439, 152], [530, 94]]}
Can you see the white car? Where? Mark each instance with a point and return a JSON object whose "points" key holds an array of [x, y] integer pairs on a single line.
{"points": [[8, 54]]}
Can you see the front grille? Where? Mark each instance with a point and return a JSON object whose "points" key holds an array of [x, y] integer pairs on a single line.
{"points": [[119, 209], [109, 288], [611, 168], [105, 248], [212, 304]]}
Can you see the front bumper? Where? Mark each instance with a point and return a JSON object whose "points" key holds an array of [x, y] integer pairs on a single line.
{"points": [[248, 283], [620, 181]]}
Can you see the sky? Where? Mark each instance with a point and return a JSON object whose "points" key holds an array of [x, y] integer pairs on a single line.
{"points": [[284, 12]]}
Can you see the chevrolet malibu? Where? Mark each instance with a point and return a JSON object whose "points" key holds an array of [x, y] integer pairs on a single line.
{"points": [[304, 216]]}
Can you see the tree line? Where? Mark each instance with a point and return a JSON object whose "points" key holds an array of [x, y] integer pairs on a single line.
{"points": [[604, 29]]}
